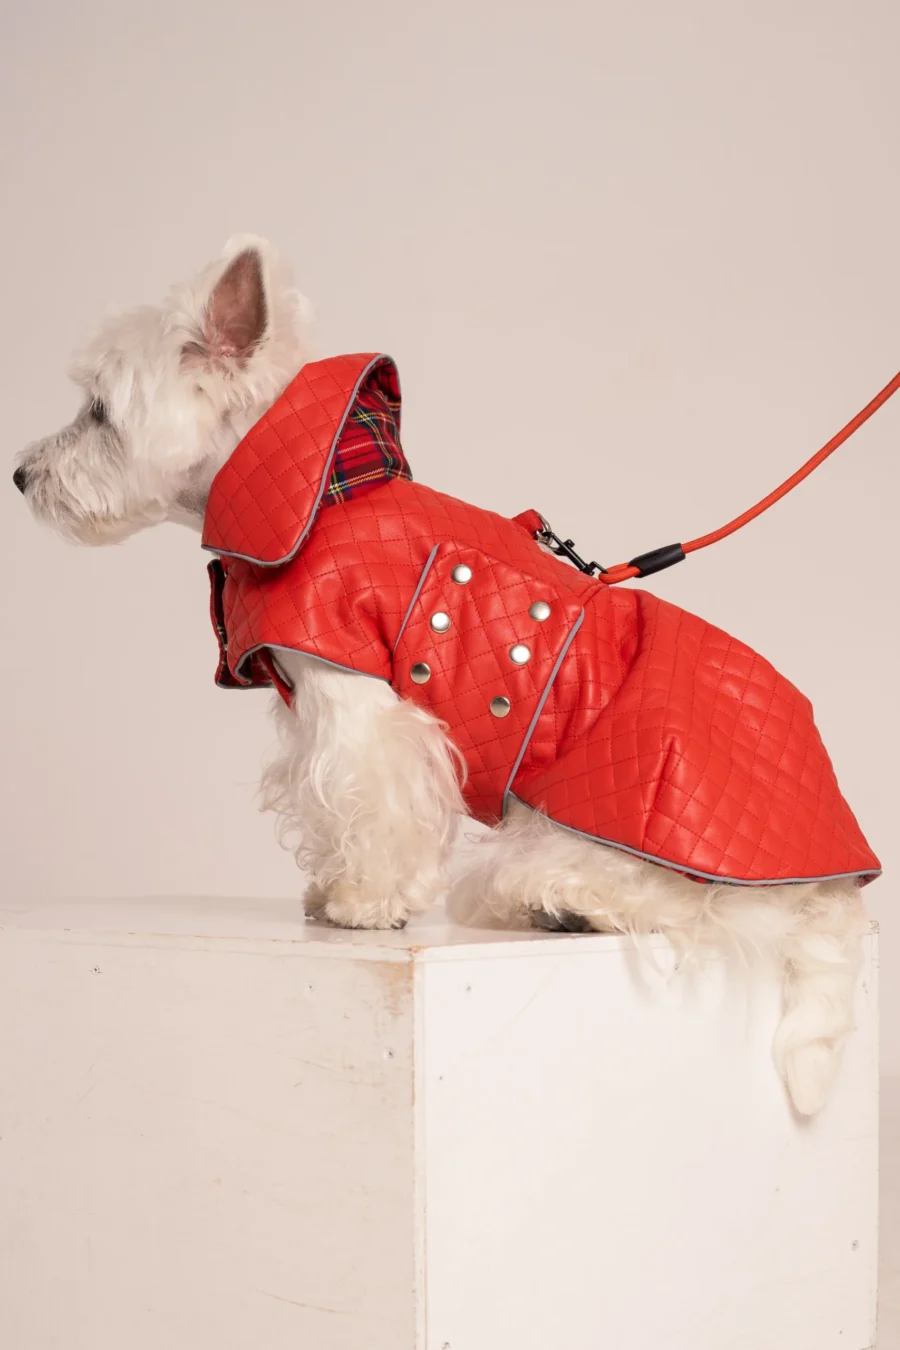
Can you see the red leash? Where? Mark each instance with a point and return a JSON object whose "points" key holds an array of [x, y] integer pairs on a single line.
{"points": [[658, 559]]}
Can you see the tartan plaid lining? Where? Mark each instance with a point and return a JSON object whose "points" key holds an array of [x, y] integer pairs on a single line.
{"points": [[369, 451]]}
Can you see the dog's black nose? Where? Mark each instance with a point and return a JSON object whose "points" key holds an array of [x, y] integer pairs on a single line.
{"points": [[20, 478]]}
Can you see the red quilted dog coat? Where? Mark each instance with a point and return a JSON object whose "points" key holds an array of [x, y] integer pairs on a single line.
{"points": [[616, 714]]}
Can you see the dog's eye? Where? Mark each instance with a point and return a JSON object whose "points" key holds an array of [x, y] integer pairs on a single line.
{"points": [[98, 411]]}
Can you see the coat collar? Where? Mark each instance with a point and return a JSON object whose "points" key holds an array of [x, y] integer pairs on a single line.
{"points": [[264, 500]]}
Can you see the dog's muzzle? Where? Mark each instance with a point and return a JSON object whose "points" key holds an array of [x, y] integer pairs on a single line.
{"points": [[20, 478]]}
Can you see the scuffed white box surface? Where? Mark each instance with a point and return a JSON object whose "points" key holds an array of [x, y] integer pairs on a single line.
{"points": [[222, 1128]]}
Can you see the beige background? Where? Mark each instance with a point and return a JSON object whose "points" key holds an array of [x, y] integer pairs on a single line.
{"points": [[635, 262]]}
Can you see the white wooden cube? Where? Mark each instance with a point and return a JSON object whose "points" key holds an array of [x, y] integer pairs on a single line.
{"points": [[223, 1128]]}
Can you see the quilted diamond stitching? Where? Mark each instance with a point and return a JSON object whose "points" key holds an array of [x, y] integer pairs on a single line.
{"points": [[471, 665], [661, 732], [262, 499]]}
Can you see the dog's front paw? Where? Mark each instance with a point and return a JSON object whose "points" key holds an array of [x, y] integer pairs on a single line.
{"points": [[352, 907], [314, 901]]}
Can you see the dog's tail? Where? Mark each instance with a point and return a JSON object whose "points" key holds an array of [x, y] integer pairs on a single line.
{"points": [[822, 958], [814, 935]]}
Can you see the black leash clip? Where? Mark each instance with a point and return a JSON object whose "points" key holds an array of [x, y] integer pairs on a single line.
{"points": [[565, 548]]}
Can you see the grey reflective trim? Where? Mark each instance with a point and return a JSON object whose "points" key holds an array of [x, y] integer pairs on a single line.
{"points": [[313, 656], [376, 361], [540, 707], [692, 871], [416, 593]]}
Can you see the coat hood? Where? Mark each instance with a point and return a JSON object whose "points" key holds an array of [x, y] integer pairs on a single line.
{"points": [[335, 429]]}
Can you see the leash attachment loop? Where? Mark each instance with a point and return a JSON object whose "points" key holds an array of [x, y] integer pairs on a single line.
{"points": [[565, 548]]}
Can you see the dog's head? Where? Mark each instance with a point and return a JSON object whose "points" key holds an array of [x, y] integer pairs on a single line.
{"points": [[168, 391]]}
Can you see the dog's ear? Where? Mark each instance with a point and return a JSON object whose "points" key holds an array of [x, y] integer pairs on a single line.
{"points": [[236, 314]]}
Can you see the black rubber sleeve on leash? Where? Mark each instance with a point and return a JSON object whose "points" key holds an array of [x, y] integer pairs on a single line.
{"points": [[658, 559]]}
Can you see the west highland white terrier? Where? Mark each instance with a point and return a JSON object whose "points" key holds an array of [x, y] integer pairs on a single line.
{"points": [[370, 785]]}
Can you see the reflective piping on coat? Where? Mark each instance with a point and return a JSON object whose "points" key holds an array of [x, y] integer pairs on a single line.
{"points": [[416, 593], [323, 486], [869, 873], [540, 706]]}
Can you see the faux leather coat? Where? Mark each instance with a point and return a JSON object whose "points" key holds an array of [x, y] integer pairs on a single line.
{"points": [[618, 715]]}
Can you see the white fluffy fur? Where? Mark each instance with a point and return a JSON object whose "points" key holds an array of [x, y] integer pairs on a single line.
{"points": [[366, 792], [171, 421], [529, 866], [366, 786]]}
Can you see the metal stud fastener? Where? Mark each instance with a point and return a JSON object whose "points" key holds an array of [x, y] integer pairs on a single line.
{"points": [[500, 706], [539, 611], [461, 574], [520, 655], [420, 673], [440, 622]]}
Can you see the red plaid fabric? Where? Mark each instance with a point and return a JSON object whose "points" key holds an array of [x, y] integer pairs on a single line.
{"points": [[369, 450]]}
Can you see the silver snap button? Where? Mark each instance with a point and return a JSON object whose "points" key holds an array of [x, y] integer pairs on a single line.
{"points": [[440, 622], [461, 574], [500, 706], [420, 673], [520, 654], [539, 611]]}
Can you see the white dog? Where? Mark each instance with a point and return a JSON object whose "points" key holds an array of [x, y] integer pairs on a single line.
{"points": [[366, 786]]}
